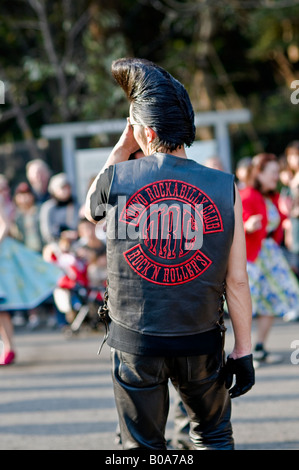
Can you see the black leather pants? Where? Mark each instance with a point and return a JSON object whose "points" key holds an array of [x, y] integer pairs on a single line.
{"points": [[142, 399]]}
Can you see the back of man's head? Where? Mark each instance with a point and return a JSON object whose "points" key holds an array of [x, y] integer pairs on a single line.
{"points": [[158, 101]]}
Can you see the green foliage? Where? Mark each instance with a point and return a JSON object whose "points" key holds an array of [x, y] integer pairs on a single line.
{"points": [[233, 53], [102, 97], [269, 30]]}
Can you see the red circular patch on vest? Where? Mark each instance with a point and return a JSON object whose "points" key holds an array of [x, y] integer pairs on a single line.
{"points": [[170, 216]]}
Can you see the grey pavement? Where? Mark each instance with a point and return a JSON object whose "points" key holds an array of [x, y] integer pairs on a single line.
{"points": [[58, 395]]}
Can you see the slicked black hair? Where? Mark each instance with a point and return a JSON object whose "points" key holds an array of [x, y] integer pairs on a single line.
{"points": [[158, 101]]}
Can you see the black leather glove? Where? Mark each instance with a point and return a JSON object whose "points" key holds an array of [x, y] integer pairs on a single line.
{"points": [[243, 369]]}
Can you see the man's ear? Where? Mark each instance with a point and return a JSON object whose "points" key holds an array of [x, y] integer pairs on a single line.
{"points": [[150, 134]]}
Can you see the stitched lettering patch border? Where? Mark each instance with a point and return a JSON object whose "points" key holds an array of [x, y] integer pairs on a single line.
{"points": [[163, 274], [170, 215]]}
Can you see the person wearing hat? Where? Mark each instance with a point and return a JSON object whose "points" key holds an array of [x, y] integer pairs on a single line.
{"points": [[61, 212]]}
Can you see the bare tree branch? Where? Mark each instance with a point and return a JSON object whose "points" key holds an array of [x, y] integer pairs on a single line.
{"points": [[21, 120], [193, 6], [73, 33], [39, 7], [11, 113]]}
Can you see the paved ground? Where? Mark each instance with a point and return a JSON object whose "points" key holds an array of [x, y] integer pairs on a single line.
{"points": [[58, 396]]}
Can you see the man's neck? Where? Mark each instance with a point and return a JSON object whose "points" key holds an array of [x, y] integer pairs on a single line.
{"points": [[179, 152]]}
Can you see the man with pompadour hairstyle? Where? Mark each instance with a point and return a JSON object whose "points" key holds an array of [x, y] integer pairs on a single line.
{"points": [[175, 252]]}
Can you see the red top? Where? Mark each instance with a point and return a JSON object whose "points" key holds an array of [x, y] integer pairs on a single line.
{"points": [[253, 204]]}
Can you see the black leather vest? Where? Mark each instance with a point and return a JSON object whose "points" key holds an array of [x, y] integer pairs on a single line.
{"points": [[170, 224]]}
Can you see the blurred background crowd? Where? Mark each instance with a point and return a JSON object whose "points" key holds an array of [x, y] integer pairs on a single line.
{"points": [[45, 216], [55, 70]]}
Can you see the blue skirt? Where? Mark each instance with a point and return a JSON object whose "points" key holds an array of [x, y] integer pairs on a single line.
{"points": [[26, 279]]}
